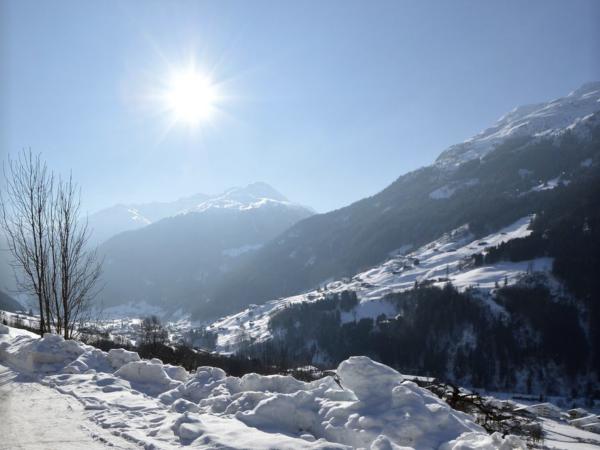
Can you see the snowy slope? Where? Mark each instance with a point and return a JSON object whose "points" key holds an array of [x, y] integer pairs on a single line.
{"points": [[162, 407], [445, 259], [543, 119]]}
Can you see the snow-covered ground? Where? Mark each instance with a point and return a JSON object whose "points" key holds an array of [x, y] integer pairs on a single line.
{"points": [[36, 417], [562, 436], [150, 404], [445, 259]]}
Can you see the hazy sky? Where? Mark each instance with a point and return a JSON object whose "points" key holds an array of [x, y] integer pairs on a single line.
{"points": [[328, 101]]}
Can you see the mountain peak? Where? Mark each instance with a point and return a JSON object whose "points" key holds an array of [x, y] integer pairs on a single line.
{"points": [[257, 190], [589, 88], [264, 190], [535, 120], [254, 195]]}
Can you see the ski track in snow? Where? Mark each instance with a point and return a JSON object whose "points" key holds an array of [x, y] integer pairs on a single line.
{"points": [[36, 417]]}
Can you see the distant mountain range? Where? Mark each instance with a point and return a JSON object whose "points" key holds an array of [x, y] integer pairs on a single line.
{"points": [[7, 303], [177, 260]]}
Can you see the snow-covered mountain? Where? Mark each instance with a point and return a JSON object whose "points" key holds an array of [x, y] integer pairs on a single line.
{"points": [[538, 120], [502, 248], [496, 178], [449, 307], [176, 261], [447, 259], [255, 195], [116, 219]]}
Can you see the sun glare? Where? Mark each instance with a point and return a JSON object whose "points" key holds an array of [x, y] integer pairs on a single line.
{"points": [[191, 97]]}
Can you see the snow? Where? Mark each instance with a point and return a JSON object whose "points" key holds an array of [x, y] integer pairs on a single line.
{"points": [[448, 191], [561, 436], [475, 440], [440, 261], [373, 406], [36, 417], [253, 196], [118, 357], [136, 216], [550, 184], [365, 310], [443, 192], [147, 376], [559, 433], [570, 113]]}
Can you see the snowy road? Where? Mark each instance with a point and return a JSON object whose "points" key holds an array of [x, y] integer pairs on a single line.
{"points": [[36, 417]]}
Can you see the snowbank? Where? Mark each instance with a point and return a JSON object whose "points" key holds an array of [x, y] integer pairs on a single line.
{"points": [[155, 405], [147, 376], [118, 357], [48, 354], [484, 442]]}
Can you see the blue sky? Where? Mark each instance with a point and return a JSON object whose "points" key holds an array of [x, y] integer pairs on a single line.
{"points": [[328, 101]]}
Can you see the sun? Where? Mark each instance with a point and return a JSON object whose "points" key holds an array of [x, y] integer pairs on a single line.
{"points": [[191, 96]]}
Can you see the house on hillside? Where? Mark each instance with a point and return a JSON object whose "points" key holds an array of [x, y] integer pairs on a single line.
{"points": [[583, 421], [577, 413], [547, 410]]}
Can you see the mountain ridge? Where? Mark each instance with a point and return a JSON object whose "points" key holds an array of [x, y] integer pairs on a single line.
{"points": [[488, 191], [121, 217]]}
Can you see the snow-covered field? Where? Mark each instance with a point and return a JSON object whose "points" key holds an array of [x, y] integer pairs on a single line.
{"points": [[150, 404], [445, 259]]}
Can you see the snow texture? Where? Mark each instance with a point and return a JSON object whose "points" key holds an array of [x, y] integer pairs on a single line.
{"points": [[158, 406]]}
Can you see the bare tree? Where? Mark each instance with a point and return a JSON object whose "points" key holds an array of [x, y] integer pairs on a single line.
{"points": [[152, 331], [48, 241], [78, 269], [25, 209]]}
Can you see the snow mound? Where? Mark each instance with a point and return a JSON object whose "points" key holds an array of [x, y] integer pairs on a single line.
{"points": [[156, 405], [150, 375], [93, 360], [370, 381], [118, 357], [478, 441], [48, 354], [371, 407]]}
